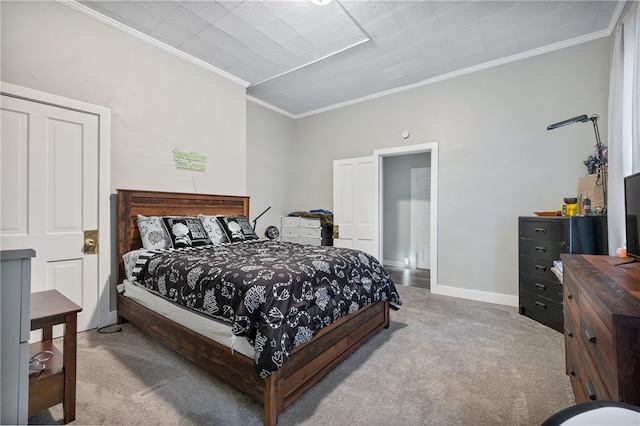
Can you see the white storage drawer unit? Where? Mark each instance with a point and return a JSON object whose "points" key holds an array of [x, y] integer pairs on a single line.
{"points": [[306, 230]]}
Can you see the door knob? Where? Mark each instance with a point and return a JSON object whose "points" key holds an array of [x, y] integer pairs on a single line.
{"points": [[91, 242]]}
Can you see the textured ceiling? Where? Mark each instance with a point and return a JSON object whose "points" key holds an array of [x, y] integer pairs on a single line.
{"points": [[300, 57]]}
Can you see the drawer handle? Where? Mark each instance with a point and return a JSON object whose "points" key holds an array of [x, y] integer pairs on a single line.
{"points": [[572, 370], [590, 335], [541, 305], [569, 294], [569, 331], [541, 286], [542, 230], [541, 268], [541, 249], [591, 393]]}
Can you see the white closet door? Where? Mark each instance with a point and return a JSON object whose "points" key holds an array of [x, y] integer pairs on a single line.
{"points": [[353, 203], [49, 172]]}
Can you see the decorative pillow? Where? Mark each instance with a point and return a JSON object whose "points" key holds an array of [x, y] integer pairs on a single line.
{"points": [[186, 232], [153, 233], [130, 259], [237, 228], [214, 229]]}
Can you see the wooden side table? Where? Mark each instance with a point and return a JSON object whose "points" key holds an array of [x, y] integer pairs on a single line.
{"points": [[57, 382]]}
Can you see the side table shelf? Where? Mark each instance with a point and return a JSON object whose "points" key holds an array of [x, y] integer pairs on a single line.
{"points": [[57, 382]]}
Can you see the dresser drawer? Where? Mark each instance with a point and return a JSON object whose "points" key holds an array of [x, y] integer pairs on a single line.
{"points": [[598, 342], [540, 249], [571, 347], [570, 301], [542, 230], [311, 232], [537, 268], [293, 231], [591, 384], [551, 289], [570, 289], [539, 306]]}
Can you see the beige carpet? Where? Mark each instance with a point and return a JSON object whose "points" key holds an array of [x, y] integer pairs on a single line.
{"points": [[443, 361]]}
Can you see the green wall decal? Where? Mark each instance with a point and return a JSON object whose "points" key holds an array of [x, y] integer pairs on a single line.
{"points": [[190, 160]]}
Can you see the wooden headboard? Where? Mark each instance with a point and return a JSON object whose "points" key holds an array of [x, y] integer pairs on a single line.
{"points": [[155, 203]]}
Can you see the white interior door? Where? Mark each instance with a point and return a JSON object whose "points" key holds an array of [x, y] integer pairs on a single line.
{"points": [[353, 203], [50, 187], [421, 216]]}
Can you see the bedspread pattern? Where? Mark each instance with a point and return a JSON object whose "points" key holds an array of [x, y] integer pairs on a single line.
{"points": [[278, 295]]}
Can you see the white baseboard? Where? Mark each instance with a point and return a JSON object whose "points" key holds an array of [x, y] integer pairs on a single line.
{"points": [[113, 318], [480, 296]]}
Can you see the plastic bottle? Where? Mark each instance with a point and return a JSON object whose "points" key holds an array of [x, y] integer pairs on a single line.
{"points": [[586, 202], [579, 206]]}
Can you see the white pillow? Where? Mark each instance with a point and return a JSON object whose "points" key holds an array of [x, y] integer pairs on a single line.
{"points": [[153, 233], [213, 228], [130, 259]]}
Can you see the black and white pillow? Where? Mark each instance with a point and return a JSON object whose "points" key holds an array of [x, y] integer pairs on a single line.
{"points": [[153, 233], [237, 228], [186, 232], [213, 228]]}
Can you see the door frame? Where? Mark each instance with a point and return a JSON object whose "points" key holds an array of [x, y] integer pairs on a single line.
{"points": [[378, 156], [104, 315]]}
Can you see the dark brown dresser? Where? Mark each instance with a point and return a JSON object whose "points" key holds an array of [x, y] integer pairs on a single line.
{"points": [[541, 241], [602, 328]]}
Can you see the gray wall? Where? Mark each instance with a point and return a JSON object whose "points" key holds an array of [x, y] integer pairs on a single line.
{"points": [[497, 161], [158, 101], [270, 159]]}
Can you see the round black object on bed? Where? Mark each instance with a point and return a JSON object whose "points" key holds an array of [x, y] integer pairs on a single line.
{"points": [[272, 232]]}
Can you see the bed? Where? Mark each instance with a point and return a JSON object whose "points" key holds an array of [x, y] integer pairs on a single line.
{"points": [[307, 364]]}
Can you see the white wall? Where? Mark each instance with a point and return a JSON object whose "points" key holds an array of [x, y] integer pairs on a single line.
{"points": [[497, 161], [158, 101], [270, 159]]}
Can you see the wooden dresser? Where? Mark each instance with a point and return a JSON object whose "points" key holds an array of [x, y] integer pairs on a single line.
{"points": [[602, 327]]}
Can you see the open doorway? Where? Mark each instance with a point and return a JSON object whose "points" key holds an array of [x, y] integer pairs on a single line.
{"points": [[407, 209]]}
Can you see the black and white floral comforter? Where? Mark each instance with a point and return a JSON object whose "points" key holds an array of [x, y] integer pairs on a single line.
{"points": [[278, 295]]}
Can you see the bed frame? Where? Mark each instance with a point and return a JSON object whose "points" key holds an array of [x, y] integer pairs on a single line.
{"points": [[308, 363]]}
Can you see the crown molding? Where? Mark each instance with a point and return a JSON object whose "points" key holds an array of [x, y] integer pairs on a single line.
{"points": [[502, 61], [137, 34]]}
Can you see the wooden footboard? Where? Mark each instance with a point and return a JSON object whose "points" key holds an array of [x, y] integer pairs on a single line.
{"points": [[307, 365], [310, 362]]}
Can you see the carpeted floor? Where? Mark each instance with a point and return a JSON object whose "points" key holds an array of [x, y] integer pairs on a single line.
{"points": [[444, 361]]}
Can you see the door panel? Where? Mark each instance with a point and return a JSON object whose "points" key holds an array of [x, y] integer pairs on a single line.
{"points": [[14, 162], [353, 203], [50, 196]]}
